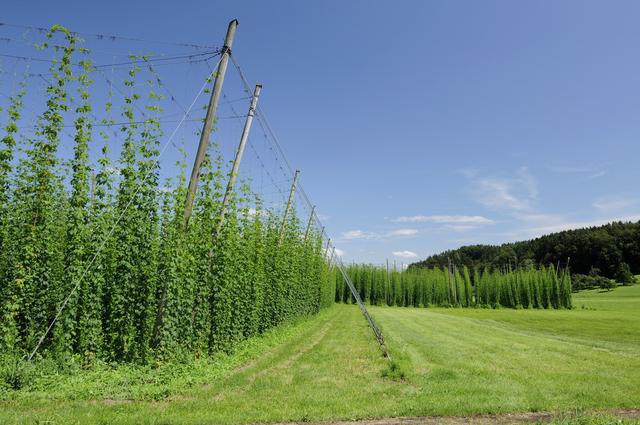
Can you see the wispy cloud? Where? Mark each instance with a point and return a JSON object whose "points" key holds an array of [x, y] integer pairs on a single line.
{"points": [[598, 174], [518, 192], [617, 203], [592, 171], [445, 219], [405, 254], [461, 227], [339, 252], [356, 234], [402, 232], [359, 234]]}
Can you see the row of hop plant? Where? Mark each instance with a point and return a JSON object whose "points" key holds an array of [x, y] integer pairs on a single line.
{"points": [[142, 286], [544, 287]]}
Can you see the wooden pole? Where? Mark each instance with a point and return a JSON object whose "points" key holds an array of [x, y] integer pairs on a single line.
{"points": [[208, 122], [333, 253], [292, 193], [236, 161], [326, 250]]}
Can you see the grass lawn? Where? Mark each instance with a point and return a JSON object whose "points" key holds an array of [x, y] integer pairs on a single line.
{"points": [[458, 362], [477, 360]]}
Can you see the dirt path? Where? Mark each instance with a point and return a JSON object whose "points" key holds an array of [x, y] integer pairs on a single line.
{"points": [[501, 419]]}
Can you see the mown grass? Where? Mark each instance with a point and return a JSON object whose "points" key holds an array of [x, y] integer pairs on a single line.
{"points": [[446, 362], [467, 361]]}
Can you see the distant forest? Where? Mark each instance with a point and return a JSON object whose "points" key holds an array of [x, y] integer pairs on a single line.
{"points": [[603, 250]]}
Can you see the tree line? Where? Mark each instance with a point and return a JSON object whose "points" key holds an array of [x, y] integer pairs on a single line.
{"points": [[612, 251]]}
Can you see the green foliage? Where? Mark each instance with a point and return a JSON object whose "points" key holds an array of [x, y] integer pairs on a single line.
{"points": [[592, 281], [455, 287], [623, 274], [110, 246], [608, 284], [15, 373]]}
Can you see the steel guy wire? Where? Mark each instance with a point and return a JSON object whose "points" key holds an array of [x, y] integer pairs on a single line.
{"points": [[264, 123]]}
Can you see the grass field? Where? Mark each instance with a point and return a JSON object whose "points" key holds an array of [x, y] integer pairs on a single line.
{"points": [[457, 362]]}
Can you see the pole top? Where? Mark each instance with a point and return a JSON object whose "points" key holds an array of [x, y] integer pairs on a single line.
{"points": [[228, 40]]}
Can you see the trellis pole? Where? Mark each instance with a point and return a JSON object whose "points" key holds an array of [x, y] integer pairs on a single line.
{"points": [[292, 193], [236, 161], [208, 122], [309, 223]]}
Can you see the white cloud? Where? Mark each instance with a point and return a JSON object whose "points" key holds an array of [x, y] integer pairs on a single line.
{"points": [[339, 252], [513, 193], [405, 254], [359, 234], [445, 219], [402, 232], [461, 227], [618, 203], [356, 234]]}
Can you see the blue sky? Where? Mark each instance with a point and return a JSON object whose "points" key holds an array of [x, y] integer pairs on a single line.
{"points": [[424, 125]]}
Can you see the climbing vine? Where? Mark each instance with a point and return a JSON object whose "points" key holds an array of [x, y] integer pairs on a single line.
{"points": [[96, 248]]}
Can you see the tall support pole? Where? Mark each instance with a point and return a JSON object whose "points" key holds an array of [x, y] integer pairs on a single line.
{"points": [[387, 297], [333, 253], [449, 279], [208, 122], [309, 223], [455, 284], [292, 193], [326, 250], [238, 158]]}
